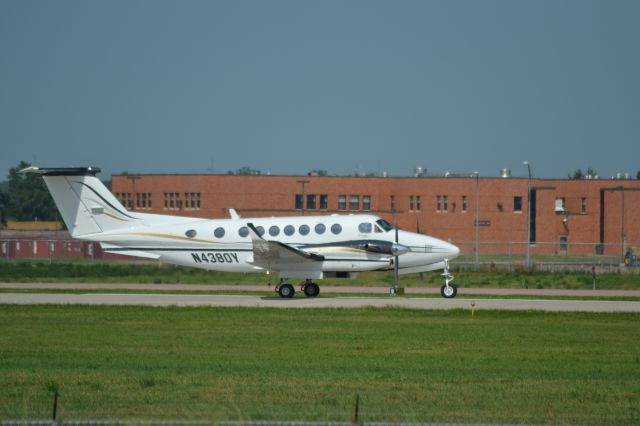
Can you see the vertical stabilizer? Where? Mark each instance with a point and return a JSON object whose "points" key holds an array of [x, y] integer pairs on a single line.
{"points": [[86, 205]]}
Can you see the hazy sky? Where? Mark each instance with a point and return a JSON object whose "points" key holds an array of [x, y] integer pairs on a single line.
{"points": [[289, 86]]}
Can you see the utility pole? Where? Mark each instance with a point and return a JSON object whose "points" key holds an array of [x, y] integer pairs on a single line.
{"points": [[526, 163], [133, 180], [477, 174], [303, 183]]}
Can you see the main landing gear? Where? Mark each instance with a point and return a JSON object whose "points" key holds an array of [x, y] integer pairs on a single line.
{"points": [[286, 290], [448, 290]]}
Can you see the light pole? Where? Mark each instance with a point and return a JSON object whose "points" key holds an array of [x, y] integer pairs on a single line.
{"points": [[477, 175], [526, 163]]}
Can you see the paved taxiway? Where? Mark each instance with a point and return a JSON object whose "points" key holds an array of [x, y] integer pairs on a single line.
{"points": [[321, 302]]}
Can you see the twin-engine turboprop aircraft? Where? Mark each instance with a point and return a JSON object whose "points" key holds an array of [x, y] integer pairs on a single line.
{"points": [[296, 247]]}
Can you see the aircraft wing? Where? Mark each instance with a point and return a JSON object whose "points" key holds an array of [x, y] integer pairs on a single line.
{"points": [[276, 256]]}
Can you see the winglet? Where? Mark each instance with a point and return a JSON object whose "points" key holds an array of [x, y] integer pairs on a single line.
{"points": [[234, 214]]}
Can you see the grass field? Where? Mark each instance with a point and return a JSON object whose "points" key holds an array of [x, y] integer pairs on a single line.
{"points": [[165, 274], [204, 363]]}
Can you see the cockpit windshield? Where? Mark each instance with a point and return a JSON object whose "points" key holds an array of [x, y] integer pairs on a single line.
{"points": [[386, 226]]}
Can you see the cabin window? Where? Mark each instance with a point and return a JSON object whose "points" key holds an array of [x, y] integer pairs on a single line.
{"points": [[260, 230], [365, 227], [191, 233], [219, 232], [320, 228], [336, 228], [243, 232], [289, 230], [274, 231], [303, 230]]}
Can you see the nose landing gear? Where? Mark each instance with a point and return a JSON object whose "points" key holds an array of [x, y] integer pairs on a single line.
{"points": [[448, 290]]}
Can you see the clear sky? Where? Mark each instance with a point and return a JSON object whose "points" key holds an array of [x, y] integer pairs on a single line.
{"points": [[289, 86]]}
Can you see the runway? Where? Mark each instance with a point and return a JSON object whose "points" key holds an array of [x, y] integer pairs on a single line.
{"points": [[160, 300]]}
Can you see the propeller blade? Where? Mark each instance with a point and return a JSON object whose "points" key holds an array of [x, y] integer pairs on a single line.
{"points": [[395, 266]]}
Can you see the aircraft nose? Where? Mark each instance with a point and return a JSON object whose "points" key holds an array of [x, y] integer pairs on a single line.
{"points": [[452, 251]]}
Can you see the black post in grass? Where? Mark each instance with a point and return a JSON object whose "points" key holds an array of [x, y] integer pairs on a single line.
{"points": [[55, 408], [357, 409]]}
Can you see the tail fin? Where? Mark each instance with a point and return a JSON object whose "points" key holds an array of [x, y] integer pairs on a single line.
{"points": [[86, 205]]}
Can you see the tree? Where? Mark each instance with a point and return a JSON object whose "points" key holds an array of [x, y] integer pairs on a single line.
{"points": [[245, 171], [318, 172], [578, 174], [26, 196]]}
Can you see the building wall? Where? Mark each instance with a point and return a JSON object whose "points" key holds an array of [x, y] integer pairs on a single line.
{"points": [[501, 229]]}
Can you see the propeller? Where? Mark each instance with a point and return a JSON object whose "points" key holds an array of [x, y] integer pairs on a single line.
{"points": [[395, 266]]}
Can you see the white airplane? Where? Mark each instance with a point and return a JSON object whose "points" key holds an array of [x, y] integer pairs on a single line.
{"points": [[299, 247]]}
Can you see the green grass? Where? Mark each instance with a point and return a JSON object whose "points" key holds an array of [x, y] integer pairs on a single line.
{"points": [[232, 363], [166, 274]]}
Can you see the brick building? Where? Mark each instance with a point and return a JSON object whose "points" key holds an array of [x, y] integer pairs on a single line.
{"points": [[567, 216]]}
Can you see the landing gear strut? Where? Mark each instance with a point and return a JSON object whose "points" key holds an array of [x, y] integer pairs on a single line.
{"points": [[448, 290], [284, 289]]}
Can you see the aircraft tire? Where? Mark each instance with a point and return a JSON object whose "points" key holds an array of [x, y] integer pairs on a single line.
{"points": [[286, 291], [311, 290], [451, 293]]}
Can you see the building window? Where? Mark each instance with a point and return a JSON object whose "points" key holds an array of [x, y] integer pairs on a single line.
{"points": [[171, 200], [198, 200], [354, 202], [410, 203], [311, 201], [138, 199], [444, 203], [517, 204], [583, 208], [299, 202], [418, 203], [438, 202], [366, 202], [392, 202], [149, 204], [464, 203], [324, 201], [342, 202], [144, 200]]}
